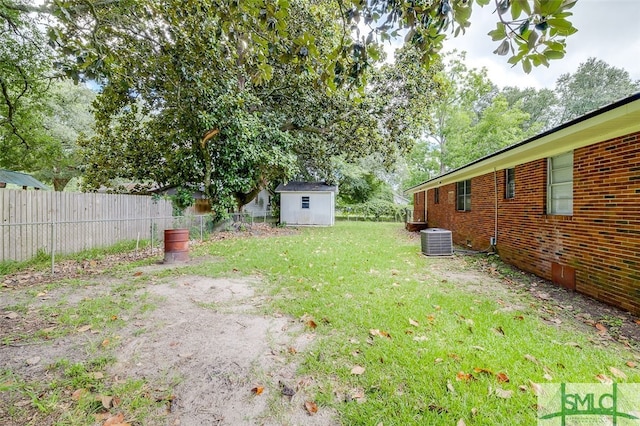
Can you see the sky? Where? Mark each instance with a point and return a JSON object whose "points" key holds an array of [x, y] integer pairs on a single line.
{"points": [[607, 29]]}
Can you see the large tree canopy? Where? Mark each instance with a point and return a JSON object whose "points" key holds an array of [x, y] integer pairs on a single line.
{"points": [[593, 85], [530, 33], [233, 94], [189, 108]]}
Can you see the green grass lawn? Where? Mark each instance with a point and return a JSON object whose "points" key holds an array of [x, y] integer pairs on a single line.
{"points": [[432, 350]]}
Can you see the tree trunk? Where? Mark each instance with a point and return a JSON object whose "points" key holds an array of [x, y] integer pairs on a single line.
{"points": [[60, 183]]}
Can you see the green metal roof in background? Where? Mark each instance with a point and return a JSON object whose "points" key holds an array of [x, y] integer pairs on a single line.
{"points": [[21, 179]]}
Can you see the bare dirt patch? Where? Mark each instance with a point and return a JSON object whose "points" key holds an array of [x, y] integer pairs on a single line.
{"points": [[209, 338], [209, 352]]}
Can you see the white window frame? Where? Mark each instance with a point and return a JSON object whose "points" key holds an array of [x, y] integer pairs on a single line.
{"points": [[560, 184], [306, 202], [463, 195], [510, 185]]}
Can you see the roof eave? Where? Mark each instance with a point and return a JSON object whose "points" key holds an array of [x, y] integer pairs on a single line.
{"points": [[615, 120]]}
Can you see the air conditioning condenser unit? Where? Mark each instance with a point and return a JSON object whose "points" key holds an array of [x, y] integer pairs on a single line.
{"points": [[436, 242]]}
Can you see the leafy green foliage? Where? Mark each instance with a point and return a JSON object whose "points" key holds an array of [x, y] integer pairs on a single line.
{"points": [[533, 35], [41, 117], [181, 200], [496, 127], [376, 209], [593, 85]]}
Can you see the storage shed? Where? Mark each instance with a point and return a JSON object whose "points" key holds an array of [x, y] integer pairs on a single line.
{"points": [[307, 203]]}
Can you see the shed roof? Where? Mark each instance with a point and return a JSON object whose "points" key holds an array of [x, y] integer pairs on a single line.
{"points": [[297, 186], [20, 179], [617, 119]]}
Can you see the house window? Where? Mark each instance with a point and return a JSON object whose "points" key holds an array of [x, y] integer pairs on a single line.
{"points": [[436, 195], [463, 195], [560, 184], [305, 202], [510, 183]]}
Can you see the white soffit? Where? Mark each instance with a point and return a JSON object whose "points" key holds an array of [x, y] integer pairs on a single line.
{"points": [[609, 124]]}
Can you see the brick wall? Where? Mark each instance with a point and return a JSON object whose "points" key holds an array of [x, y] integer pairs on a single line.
{"points": [[598, 247]]}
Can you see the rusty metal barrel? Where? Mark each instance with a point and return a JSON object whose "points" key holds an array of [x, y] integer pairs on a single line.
{"points": [[176, 245]]}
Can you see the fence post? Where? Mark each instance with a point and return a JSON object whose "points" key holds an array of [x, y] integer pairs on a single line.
{"points": [[53, 246], [151, 231]]}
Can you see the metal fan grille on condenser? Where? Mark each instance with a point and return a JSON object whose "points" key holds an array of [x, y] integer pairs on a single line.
{"points": [[436, 242]]}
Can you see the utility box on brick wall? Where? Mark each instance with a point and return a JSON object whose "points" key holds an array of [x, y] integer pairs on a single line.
{"points": [[436, 242]]}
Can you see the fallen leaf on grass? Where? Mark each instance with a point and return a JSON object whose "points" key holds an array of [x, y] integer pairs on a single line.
{"points": [[292, 350], [117, 420], [78, 393], [502, 378], [503, 393], [357, 394], [450, 387], [380, 333], [631, 364], [106, 400], [84, 328], [619, 374], [96, 375], [311, 324], [548, 377], [414, 323], [637, 322], [137, 274], [536, 388], [357, 370], [257, 390], [601, 328], [461, 423], [420, 338], [102, 416], [531, 358], [498, 330], [604, 379], [11, 315], [461, 376], [311, 407], [33, 360]]}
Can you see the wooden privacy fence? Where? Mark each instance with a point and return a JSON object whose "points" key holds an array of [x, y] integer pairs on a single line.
{"points": [[66, 222]]}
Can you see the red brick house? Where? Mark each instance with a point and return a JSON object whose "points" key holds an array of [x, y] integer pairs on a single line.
{"points": [[564, 205]]}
